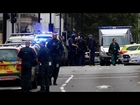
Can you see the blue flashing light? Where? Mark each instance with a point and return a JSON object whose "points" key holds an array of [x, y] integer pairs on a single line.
{"points": [[114, 27], [43, 32]]}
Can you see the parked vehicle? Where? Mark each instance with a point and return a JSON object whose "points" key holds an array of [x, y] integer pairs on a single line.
{"points": [[10, 64], [106, 34], [131, 57], [128, 48]]}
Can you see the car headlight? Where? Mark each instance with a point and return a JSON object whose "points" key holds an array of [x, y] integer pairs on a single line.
{"points": [[135, 55], [102, 53]]}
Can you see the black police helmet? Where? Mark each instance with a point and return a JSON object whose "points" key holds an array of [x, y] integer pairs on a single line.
{"points": [[90, 35], [73, 34], [43, 42]]}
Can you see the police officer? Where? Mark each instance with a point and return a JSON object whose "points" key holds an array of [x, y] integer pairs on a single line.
{"points": [[27, 55], [92, 48], [81, 51], [44, 59], [72, 54], [114, 49], [56, 51]]}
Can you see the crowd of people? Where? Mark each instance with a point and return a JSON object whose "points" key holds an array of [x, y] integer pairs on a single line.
{"points": [[49, 58], [77, 46]]}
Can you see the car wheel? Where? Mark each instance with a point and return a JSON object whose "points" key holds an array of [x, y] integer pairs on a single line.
{"points": [[126, 64], [102, 63]]}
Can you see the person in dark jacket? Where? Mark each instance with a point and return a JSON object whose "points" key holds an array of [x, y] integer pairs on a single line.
{"points": [[45, 61], [114, 49], [92, 48], [81, 51], [27, 55], [56, 51], [73, 48]]}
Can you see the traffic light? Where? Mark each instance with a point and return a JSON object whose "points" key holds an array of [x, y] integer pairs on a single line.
{"points": [[7, 16], [13, 17]]}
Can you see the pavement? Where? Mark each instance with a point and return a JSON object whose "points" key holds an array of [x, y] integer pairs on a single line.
{"points": [[97, 78]]}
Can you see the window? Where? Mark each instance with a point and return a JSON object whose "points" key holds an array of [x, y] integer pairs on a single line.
{"points": [[139, 48], [132, 48], [8, 55], [107, 40]]}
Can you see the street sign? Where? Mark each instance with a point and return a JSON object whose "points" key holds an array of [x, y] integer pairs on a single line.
{"points": [[37, 26]]}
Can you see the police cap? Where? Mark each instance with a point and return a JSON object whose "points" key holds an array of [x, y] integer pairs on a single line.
{"points": [[90, 35], [42, 42], [73, 34]]}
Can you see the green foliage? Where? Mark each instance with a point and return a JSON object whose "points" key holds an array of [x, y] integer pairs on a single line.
{"points": [[91, 21]]}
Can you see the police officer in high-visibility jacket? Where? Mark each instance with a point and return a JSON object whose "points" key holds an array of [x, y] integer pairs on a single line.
{"points": [[56, 51]]}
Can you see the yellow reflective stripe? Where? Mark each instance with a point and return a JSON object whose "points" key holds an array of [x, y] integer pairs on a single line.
{"points": [[11, 67], [2, 72]]}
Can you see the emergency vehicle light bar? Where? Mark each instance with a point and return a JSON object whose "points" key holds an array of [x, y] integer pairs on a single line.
{"points": [[10, 45], [22, 34], [114, 27]]}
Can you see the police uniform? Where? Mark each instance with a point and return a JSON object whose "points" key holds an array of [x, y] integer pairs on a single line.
{"points": [[92, 46], [81, 52], [44, 59], [72, 51], [56, 51], [27, 55]]}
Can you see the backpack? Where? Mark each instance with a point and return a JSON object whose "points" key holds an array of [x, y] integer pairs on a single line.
{"points": [[46, 54], [27, 56]]}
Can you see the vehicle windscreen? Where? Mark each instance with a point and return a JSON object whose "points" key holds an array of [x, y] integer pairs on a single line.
{"points": [[19, 41], [132, 48], [14, 41], [107, 40], [8, 55]]}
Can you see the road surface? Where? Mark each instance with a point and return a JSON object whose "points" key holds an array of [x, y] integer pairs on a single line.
{"points": [[96, 79]]}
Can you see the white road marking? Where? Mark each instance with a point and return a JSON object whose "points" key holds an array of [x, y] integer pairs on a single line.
{"points": [[67, 81], [102, 77], [103, 87]]}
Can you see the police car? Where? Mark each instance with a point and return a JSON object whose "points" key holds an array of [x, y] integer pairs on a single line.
{"points": [[20, 37], [44, 36], [10, 64], [47, 36]]}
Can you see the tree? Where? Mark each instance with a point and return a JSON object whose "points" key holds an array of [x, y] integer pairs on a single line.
{"points": [[91, 21]]}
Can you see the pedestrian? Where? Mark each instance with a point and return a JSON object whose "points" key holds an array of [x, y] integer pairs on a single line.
{"points": [[76, 59], [27, 55], [45, 61], [56, 51], [92, 48], [81, 51], [114, 49], [72, 53]]}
